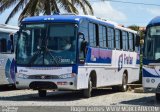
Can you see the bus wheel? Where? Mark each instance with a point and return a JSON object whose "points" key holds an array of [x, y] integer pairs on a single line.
{"points": [[158, 96], [124, 86], [88, 92], [42, 93]]}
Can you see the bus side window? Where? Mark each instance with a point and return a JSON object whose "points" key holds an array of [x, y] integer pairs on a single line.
{"points": [[92, 35], [131, 42], [11, 45], [102, 36], [124, 40], [137, 48], [117, 39], [3, 45], [110, 32]]}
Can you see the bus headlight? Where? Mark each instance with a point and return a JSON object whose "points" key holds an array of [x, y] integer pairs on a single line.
{"points": [[21, 75], [64, 76], [148, 80], [153, 80], [150, 66]]}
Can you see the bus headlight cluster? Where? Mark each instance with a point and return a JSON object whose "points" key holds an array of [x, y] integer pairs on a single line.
{"points": [[150, 66], [150, 80], [21, 75], [64, 76]]}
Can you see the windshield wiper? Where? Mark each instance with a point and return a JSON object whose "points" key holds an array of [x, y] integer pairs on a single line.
{"points": [[34, 57], [54, 59], [45, 51]]}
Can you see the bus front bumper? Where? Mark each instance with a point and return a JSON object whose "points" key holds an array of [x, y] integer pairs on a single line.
{"points": [[47, 84], [151, 90]]}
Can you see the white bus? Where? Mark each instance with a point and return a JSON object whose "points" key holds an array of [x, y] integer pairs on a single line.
{"points": [[7, 54], [70, 52], [151, 58]]}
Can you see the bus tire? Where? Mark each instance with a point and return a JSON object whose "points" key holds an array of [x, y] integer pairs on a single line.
{"points": [[158, 96], [124, 86], [42, 93], [87, 93]]}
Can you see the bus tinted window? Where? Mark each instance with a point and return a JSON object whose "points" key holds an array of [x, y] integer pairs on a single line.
{"points": [[92, 34], [136, 48], [110, 33], [5, 43], [84, 29], [125, 40], [102, 36], [117, 38], [131, 41]]}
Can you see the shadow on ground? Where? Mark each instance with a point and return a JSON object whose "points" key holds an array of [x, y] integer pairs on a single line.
{"points": [[56, 96], [7, 88], [145, 101]]}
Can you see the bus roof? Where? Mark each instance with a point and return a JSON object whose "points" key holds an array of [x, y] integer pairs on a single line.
{"points": [[8, 28], [154, 21], [74, 19]]}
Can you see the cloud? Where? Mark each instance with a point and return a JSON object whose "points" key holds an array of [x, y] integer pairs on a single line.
{"points": [[105, 10], [154, 11]]}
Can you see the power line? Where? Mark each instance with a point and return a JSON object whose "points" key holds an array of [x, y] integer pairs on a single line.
{"points": [[135, 3]]}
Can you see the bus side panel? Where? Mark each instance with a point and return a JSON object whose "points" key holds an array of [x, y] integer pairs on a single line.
{"points": [[124, 60], [103, 76], [82, 78], [7, 75], [117, 64], [134, 68]]}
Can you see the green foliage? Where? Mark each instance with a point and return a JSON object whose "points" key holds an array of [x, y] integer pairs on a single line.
{"points": [[134, 27], [45, 7]]}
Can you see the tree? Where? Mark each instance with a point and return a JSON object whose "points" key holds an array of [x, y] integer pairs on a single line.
{"points": [[141, 34], [46, 7], [134, 27]]}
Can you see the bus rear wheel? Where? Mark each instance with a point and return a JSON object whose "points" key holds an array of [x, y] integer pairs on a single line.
{"points": [[158, 96], [42, 93], [87, 93], [124, 86]]}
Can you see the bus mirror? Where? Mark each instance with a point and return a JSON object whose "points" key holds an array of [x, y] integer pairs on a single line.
{"points": [[137, 40], [84, 47], [81, 35]]}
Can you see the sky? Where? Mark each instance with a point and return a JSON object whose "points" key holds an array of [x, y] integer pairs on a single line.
{"points": [[122, 13]]}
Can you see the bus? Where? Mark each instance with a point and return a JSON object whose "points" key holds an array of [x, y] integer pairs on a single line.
{"points": [[151, 58], [7, 54], [75, 52]]}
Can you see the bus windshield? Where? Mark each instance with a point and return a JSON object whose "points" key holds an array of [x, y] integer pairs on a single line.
{"points": [[46, 44], [152, 46]]}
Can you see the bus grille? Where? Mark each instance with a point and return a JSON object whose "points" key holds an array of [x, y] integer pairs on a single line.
{"points": [[43, 77], [42, 85]]}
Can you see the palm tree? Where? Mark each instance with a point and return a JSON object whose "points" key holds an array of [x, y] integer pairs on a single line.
{"points": [[46, 7]]}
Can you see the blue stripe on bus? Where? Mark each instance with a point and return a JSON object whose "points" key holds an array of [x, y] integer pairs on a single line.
{"points": [[12, 70], [75, 69], [138, 59], [7, 71], [148, 74]]}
